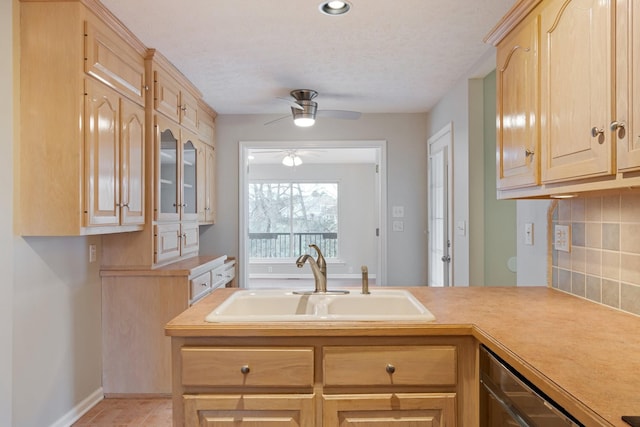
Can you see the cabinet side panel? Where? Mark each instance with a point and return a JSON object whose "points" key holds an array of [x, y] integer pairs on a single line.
{"points": [[136, 352], [51, 100]]}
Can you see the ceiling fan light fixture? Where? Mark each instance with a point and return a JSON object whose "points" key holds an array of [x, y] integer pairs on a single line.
{"points": [[292, 160], [304, 122], [307, 116], [334, 7]]}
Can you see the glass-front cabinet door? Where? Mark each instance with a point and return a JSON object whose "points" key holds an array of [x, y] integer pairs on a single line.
{"points": [[189, 177], [167, 206]]}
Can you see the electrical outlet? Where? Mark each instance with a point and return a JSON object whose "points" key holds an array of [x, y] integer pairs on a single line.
{"points": [[397, 226], [92, 253], [562, 238], [528, 234]]}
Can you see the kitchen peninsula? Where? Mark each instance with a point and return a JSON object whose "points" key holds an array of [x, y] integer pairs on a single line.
{"points": [[583, 355]]}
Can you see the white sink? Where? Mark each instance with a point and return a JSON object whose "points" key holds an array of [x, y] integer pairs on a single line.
{"points": [[285, 306]]}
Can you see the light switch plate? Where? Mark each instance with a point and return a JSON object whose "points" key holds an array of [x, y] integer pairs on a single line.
{"points": [[528, 234], [562, 238], [398, 226], [397, 211]]}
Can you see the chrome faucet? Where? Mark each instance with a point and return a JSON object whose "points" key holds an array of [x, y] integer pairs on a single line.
{"points": [[318, 268]]}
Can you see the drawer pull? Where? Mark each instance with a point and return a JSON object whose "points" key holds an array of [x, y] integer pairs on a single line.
{"points": [[245, 369], [390, 368]]}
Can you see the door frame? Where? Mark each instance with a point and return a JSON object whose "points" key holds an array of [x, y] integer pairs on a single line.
{"points": [[435, 138], [381, 192]]}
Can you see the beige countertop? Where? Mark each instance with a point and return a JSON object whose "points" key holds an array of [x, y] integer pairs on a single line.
{"points": [[583, 355]]}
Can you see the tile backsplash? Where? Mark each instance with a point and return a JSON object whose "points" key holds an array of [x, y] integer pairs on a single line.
{"points": [[604, 262]]}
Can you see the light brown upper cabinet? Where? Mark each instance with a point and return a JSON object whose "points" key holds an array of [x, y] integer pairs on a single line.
{"points": [[582, 94], [176, 172], [174, 101], [517, 76], [206, 174], [577, 82], [626, 123], [114, 158], [82, 94]]}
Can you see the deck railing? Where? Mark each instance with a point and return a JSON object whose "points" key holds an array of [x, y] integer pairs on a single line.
{"points": [[291, 245]]}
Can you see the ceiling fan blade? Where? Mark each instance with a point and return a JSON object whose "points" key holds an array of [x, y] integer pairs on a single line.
{"points": [[292, 103], [288, 116], [339, 114]]}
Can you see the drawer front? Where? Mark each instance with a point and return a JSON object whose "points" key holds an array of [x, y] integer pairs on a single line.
{"points": [[382, 365], [200, 286], [247, 367], [223, 274], [112, 61]]}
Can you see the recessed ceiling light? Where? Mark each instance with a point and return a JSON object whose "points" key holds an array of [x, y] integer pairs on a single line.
{"points": [[335, 7]]}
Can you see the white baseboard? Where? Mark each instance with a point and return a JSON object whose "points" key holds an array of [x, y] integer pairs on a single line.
{"points": [[80, 409]]}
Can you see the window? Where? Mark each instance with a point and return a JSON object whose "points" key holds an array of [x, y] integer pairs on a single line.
{"points": [[285, 217]]}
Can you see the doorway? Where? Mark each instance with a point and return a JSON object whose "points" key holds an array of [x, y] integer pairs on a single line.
{"points": [[329, 193], [440, 262]]}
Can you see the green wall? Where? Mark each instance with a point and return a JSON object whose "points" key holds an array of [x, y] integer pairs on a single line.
{"points": [[499, 215]]}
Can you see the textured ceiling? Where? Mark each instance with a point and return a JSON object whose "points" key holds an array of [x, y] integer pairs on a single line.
{"points": [[382, 57]]}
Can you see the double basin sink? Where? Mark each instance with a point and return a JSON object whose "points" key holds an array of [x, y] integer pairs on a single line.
{"points": [[286, 306]]}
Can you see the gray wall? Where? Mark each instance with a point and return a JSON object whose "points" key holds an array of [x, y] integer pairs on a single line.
{"points": [[50, 357], [406, 137], [462, 106]]}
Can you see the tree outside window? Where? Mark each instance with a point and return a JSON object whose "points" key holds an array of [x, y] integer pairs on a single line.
{"points": [[285, 217]]}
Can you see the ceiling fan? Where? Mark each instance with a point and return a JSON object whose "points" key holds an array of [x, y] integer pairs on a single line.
{"points": [[305, 109]]}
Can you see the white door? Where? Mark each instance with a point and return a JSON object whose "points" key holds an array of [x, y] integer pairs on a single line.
{"points": [[440, 169]]}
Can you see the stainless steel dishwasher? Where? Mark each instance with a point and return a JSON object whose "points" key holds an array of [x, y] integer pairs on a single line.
{"points": [[508, 399]]}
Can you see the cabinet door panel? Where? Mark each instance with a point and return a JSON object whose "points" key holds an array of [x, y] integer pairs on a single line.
{"points": [[576, 89], [167, 170], [202, 168], [101, 155], [628, 84], [517, 106], [390, 409], [167, 242], [189, 176], [272, 410], [166, 96], [210, 186], [190, 241], [188, 110], [132, 163], [112, 61]]}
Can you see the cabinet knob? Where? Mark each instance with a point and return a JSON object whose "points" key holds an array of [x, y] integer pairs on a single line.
{"points": [[390, 368], [528, 152], [595, 131], [614, 126], [183, 107], [245, 369], [619, 128]]}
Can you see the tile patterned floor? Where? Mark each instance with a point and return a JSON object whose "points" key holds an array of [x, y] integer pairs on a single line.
{"points": [[128, 413]]}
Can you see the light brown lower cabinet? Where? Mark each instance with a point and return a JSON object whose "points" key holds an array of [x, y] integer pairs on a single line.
{"points": [[325, 381], [282, 410], [390, 409], [136, 305]]}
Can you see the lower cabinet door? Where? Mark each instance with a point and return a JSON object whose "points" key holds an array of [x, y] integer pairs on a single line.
{"points": [[282, 410], [390, 409]]}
